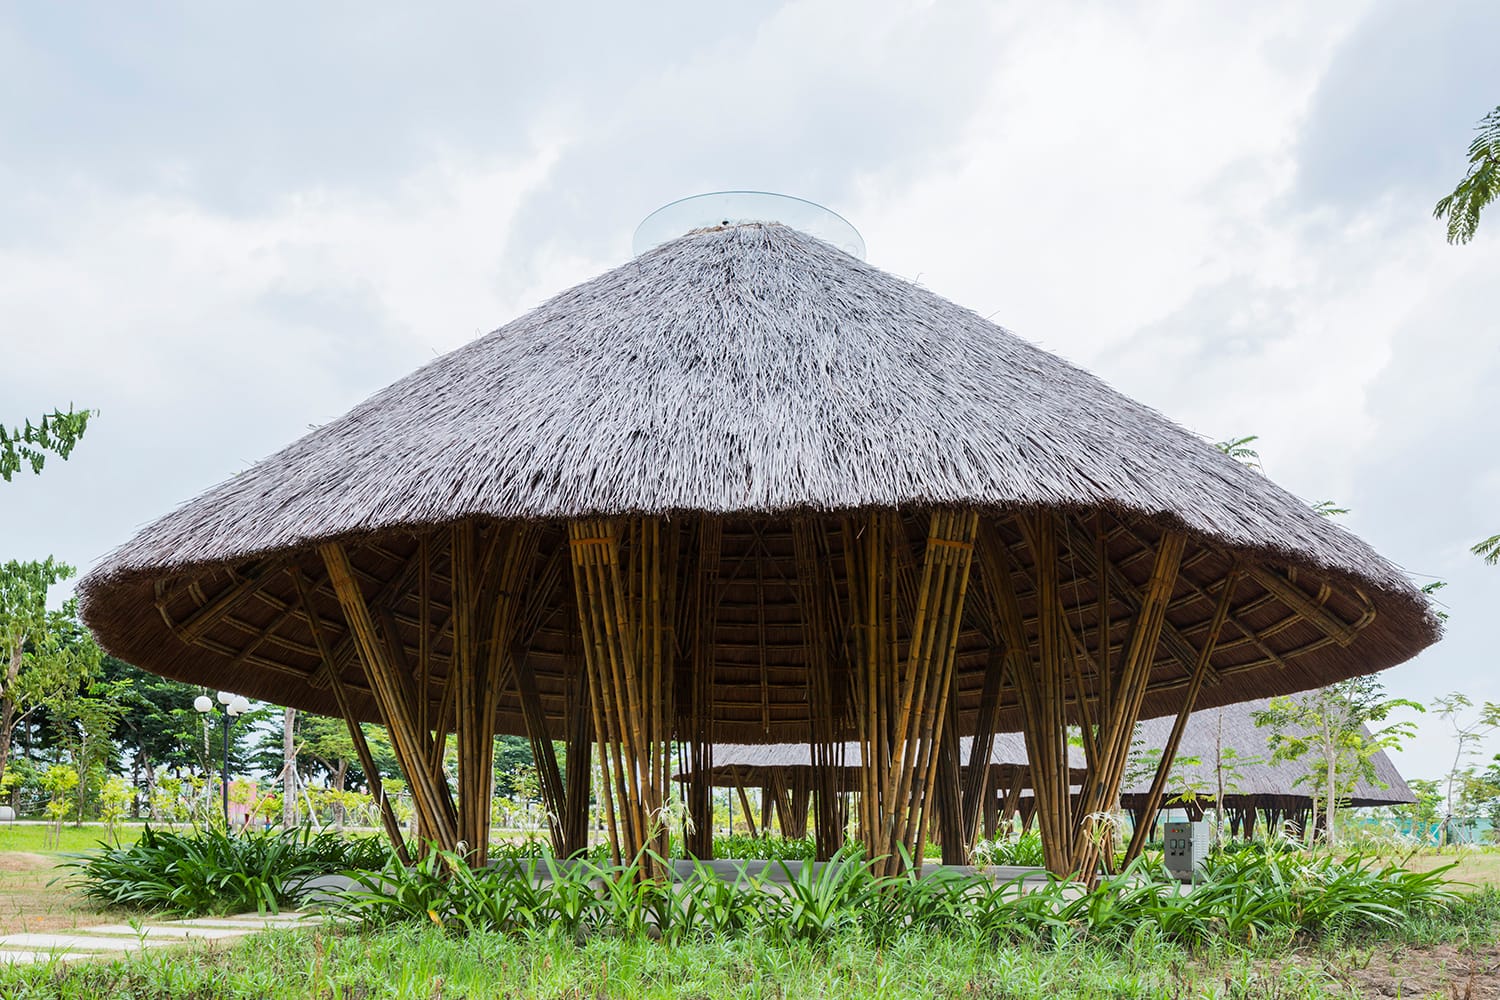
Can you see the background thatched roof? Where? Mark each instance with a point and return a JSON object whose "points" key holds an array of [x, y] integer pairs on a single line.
{"points": [[751, 764], [745, 372], [1262, 778]]}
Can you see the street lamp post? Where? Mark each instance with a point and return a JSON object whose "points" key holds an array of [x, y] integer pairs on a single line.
{"points": [[231, 707]]}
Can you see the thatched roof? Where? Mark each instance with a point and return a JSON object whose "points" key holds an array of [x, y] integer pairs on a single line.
{"points": [[752, 764], [1233, 727], [748, 373]]}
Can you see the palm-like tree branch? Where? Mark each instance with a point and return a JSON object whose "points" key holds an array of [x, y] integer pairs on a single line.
{"points": [[1480, 186]]}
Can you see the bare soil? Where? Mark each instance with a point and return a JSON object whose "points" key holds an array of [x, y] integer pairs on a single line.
{"points": [[1451, 972], [29, 903]]}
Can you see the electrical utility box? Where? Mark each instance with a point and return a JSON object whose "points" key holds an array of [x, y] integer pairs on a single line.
{"points": [[1187, 846]]}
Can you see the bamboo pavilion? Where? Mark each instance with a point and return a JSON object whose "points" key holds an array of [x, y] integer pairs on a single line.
{"points": [[1256, 786], [748, 488]]}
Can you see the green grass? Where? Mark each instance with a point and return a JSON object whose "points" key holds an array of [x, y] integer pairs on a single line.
{"points": [[426, 963], [34, 838]]}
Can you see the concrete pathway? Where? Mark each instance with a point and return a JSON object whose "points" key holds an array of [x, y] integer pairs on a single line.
{"points": [[114, 940]]}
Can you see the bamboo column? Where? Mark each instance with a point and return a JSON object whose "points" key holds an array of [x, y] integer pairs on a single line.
{"points": [[1012, 800], [827, 698], [1039, 690], [579, 765], [490, 569], [977, 786], [799, 797], [356, 734], [624, 575], [947, 792], [902, 694], [700, 719], [1152, 804], [395, 702], [1071, 835]]}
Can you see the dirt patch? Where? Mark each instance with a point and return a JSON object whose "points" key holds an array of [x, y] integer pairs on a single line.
{"points": [[1452, 972], [29, 903], [22, 861]]}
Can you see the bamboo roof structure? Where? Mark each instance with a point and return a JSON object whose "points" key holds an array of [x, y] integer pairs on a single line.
{"points": [[748, 373], [1256, 777]]}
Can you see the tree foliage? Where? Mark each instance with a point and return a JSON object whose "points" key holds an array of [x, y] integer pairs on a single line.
{"points": [[1329, 730], [55, 433], [1488, 550], [1480, 186]]}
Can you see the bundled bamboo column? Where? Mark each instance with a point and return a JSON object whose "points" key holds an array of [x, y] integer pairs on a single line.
{"points": [[902, 694], [1070, 837], [489, 571], [356, 734], [799, 797], [549, 775], [1158, 788], [1101, 787], [395, 701], [827, 700], [1012, 799], [624, 575], [700, 720], [977, 786], [947, 791], [1040, 687], [580, 744]]}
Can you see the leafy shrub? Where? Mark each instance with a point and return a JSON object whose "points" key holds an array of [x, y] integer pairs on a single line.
{"points": [[1025, 850], [209, 871], [740, 846], [1243, 896]]}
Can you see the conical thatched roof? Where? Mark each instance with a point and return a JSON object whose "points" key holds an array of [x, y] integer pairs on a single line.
{"points": [[1259, 778], [747, 372]]}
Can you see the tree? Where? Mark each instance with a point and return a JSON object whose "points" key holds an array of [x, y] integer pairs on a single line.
{"points": [[1480, 185], [57, 782], [158, 727], [1488, 550], [1491, 779], [289, 768], [1469, 730], [1329, 729], [24, 627], [57, 432]]}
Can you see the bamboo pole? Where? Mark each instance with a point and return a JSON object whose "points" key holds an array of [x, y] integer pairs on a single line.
{"points": [[432, 803], [976, 779], [346, 709]]}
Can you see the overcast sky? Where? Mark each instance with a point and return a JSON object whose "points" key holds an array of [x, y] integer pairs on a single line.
{"points": [[221, 224]]}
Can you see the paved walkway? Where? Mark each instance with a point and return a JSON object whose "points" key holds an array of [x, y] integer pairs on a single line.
{"points": [[112, 940]]}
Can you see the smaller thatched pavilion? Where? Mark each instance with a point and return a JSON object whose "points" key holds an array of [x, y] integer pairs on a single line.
{"points": [[1255, 786], [785, 774]]}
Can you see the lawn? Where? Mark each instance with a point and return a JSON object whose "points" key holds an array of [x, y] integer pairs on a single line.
{"points": [[36, 838], [427, 963], [1477, 867], [1445, 954]]}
